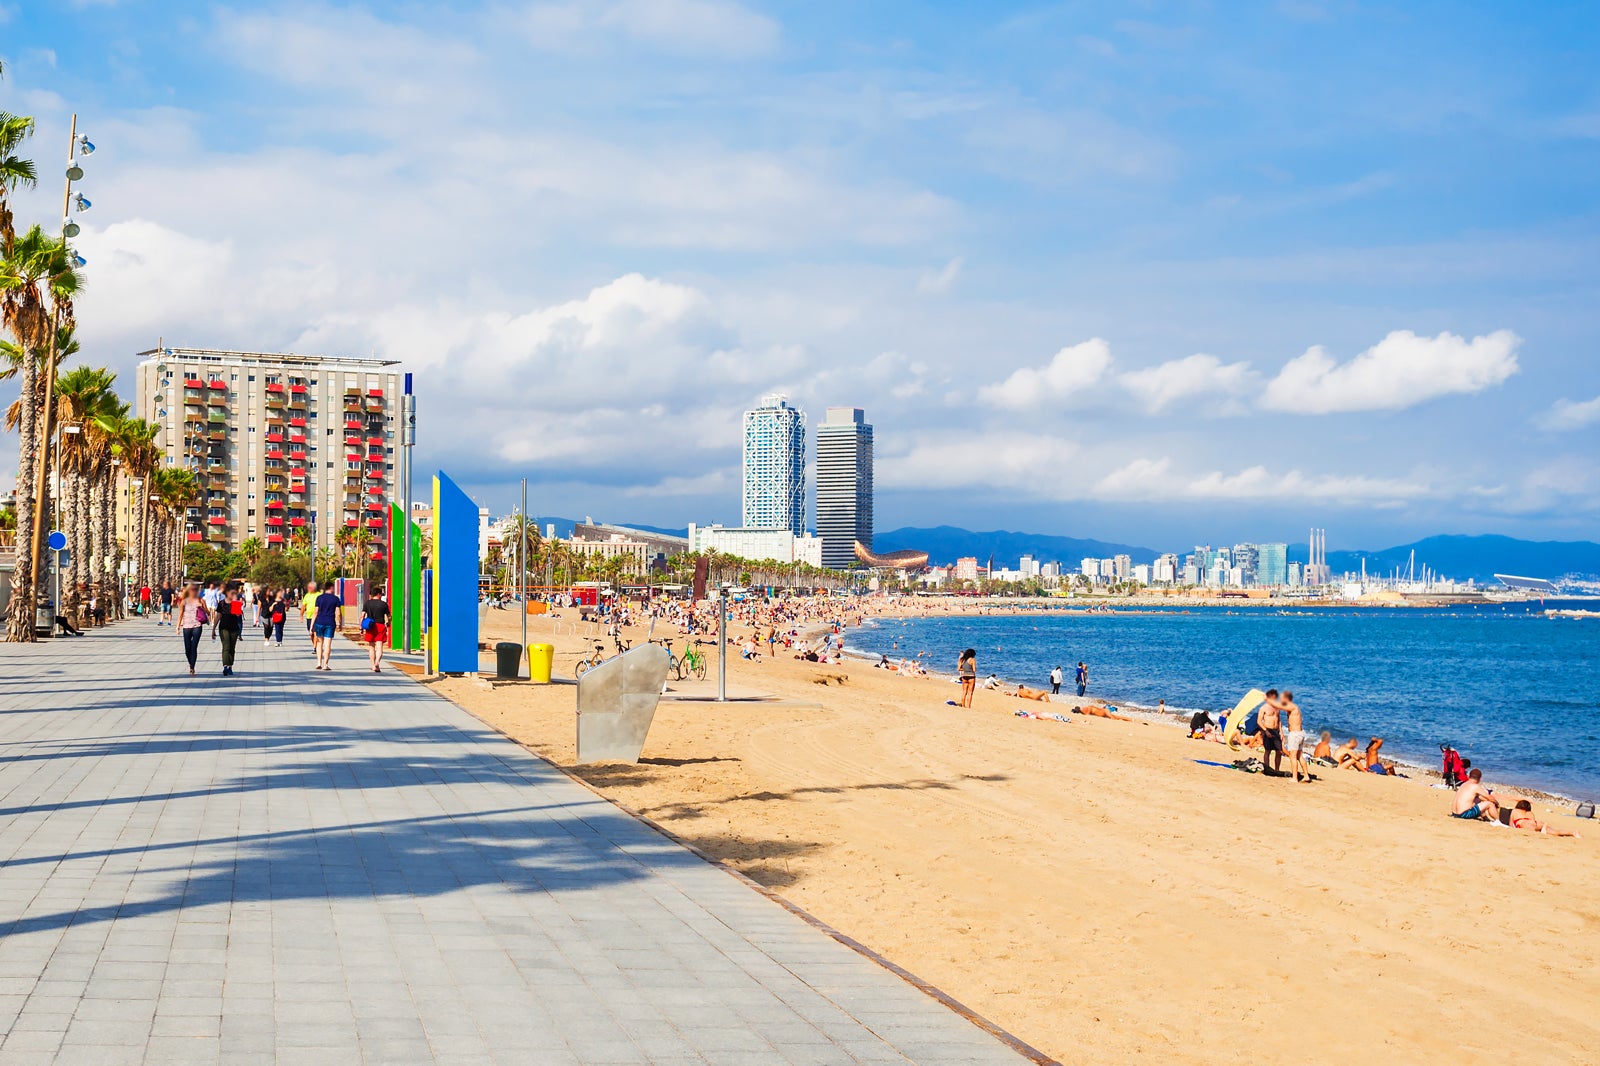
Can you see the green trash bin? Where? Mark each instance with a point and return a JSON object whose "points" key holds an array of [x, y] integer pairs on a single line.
{"points": [[541, 658]]}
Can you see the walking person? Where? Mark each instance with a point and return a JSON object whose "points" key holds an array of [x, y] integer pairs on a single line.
{"points": [[277, 613], [307, 602], [1082, 680], [326, 612], [1294, 738], [192, 619], [168, 594], [375, 629], [144, 600], [967, 671], [230, 627], [1055, 681]]}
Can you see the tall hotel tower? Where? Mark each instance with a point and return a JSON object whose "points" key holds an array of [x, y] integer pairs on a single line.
{"points": [[844, 485], [775, 467], [285, 446]]}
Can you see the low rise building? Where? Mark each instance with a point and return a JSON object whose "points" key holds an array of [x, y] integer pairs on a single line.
{"points": [[779, 545]]}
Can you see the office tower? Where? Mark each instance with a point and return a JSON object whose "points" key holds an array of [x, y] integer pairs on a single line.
{"points": [[1272, 566], [775, 467], [286, 447], [1247, 559], [844, 485]]}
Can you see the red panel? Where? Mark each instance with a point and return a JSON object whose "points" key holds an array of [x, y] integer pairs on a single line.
{"points": [[274, 388], [217, 520], [191, 537]]}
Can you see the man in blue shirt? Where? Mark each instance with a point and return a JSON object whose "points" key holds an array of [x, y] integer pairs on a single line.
{"points": [[325, 624]]}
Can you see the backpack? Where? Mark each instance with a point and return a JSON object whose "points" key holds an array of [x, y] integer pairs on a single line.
{"points": [[1251, 725], [1585, 810]]}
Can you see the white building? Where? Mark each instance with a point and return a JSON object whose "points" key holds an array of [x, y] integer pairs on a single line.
{"points": [[844, 485], [775, 467], [1165, 570], [745, 542], [1122, 567], [1090, 568], [1141, 573], [284, 446]]}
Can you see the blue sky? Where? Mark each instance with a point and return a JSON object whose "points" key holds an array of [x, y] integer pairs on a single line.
{"points": [[1157, 273]]}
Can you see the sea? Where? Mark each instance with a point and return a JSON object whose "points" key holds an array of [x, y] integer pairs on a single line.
{"points": [[1514, 691]]}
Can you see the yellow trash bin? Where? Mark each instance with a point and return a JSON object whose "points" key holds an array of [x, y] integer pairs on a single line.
{"points": [[541, 657]]}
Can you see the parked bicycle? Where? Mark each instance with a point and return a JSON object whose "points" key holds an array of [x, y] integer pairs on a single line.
{"points": [[598, 656], [692, 664]]}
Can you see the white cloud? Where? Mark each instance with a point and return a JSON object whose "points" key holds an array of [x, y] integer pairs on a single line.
{"points": [[1070, 371], [1573, 414], [1158, 387], [939, 281], [685, 27], [1002, 460], [1154, 480], [1400, 371]]}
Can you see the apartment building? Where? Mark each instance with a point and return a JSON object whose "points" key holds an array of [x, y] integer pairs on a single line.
{"points": [[288, 448]]}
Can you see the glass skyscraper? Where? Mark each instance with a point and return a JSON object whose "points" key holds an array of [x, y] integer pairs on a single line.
{"points": [[775, 467], [1273, 565], [844, 485]]}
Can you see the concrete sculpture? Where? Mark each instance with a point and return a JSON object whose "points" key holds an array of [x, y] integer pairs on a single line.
{"points": [[616, 703]]}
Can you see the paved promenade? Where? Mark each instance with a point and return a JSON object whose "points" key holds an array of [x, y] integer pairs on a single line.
{"points": [[338, 868]]}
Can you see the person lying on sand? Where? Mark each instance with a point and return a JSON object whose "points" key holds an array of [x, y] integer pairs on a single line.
{"points": [[1025, 693], [1201, 727], [1473, 801], [1521, 817], [1096, 711]]}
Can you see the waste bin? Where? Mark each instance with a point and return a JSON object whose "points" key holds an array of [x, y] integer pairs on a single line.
{"points": [[507, 661], [541, 657]]}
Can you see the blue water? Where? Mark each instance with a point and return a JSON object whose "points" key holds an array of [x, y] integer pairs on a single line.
{"points": [[1516, 692]]}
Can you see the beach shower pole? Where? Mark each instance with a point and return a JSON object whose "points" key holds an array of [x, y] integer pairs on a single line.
{"points": [[722, 645], [522, 576]]}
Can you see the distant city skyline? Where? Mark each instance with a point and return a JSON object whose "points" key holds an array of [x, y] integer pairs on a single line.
{"points": [[1194, 273]]}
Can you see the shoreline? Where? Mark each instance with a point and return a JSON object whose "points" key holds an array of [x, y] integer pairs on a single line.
{"points": [[1175, 717]]}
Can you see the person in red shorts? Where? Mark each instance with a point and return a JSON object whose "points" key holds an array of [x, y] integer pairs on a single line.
{"points": [[375, 628]]}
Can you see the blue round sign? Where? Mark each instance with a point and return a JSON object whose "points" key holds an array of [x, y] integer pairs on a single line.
{"points": [[58, 540]]}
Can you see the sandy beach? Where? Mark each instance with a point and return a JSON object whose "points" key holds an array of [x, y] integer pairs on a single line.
{"points": [[1092, 888]]}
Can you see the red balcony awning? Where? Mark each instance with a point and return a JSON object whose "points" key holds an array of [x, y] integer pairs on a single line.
{"points": [[275, 520], [352, 522], [375, 507], [274, 453], [375, 392], [297, 521], [375, 442], [218, 520], [274, 505], [354, 442], [374, 523], [274, 388], [297, 438], [297, 388], [191, 537], [274, 538], [193, 383], [274, 438], [223, 385]]}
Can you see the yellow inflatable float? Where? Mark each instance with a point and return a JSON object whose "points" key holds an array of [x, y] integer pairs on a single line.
{"points": [[1252, 699]]}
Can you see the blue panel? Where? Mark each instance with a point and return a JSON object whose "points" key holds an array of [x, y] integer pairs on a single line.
{"points": [[455, 578]]}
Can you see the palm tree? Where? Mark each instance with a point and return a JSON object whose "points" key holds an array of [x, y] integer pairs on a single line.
{"points": [[250, 551], [38, 282], [81, 396], [136, 441], [15, 171]]}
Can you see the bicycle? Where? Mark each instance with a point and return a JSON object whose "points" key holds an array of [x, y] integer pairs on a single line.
{"points": [[693, 663], [598, 656], [672, 659]]}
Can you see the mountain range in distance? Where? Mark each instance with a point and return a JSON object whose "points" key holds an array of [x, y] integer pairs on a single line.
{"points": [[1463, 558]]}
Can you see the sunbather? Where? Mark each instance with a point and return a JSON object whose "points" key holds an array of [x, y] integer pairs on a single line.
{"points": [[1371, 763], [1473, 801], [1096, 711], [1522, 818], [1025, 693]]}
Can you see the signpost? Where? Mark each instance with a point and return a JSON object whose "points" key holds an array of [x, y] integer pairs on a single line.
{"points": [[57, 543]]}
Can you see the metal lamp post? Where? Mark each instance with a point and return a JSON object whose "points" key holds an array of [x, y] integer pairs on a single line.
{"points": [[68, 229]]}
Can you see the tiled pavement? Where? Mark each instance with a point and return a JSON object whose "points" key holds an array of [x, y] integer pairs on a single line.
{"points": [[336, 868]]}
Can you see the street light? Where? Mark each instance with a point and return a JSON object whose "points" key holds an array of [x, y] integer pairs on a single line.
{"points": [[36, 549]]}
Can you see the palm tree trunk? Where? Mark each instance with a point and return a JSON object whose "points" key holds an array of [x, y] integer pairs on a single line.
{"points": [[99, 573], [20, 625]]}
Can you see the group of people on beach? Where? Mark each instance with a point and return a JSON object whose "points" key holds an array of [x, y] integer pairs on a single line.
{"points": [[1474, 802]]}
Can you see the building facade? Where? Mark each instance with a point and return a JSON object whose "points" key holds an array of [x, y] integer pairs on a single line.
{"points": [[1272, 564], [288, 448], [775, 467], [844, 485], [779, 545]]}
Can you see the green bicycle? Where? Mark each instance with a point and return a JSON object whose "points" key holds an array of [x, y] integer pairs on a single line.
{"points": [[692, 664]]}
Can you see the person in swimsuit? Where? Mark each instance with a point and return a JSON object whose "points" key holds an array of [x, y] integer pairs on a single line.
{"points": [[1271, 735], [1473, 801], [1521, 817], [1294, 738], [1096, 711], [1025, 693], [967, 671]]}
